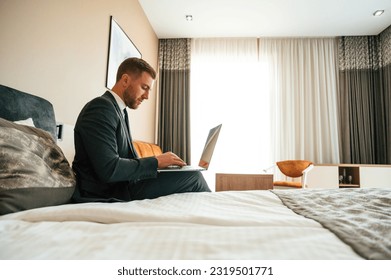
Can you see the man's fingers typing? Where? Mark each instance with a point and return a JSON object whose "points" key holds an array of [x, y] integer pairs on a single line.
{"points": [[168, 159]]}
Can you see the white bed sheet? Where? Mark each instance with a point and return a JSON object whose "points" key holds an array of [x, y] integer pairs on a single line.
{"points": [[220, 225]]}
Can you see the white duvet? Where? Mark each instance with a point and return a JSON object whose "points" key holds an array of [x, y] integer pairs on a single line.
{"points": [[220, 225]]}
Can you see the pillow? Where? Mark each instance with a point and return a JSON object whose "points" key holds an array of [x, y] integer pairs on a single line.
{"points": [[34, 171], [28, 122]]}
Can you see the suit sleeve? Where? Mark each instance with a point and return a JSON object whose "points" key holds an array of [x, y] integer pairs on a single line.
{"points": [[99, 132]]}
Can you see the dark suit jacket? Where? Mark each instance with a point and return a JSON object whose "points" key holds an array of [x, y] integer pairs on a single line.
{"points": [[106, 164]]}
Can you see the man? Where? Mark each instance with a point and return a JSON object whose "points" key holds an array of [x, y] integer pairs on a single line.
{"points": [[106, 164]]}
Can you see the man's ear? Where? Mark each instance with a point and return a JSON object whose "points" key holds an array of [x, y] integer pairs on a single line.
{"points": [[125, 80]]}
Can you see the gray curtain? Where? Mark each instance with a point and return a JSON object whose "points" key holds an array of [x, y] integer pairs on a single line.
{"points": [[364, 98], [174, 97]]}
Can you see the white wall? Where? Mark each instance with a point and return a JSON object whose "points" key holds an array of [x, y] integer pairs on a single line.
{"points": [[58, 49]]}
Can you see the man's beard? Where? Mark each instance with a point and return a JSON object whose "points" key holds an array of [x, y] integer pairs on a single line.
{"points": [[131, 103]]}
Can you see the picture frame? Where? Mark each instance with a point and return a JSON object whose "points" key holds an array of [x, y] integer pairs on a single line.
{"points": [[121, 47]]}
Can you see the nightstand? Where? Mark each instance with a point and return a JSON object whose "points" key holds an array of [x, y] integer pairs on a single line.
{"points": [[243, 182]]}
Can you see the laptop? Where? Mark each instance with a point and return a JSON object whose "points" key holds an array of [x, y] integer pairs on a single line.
{"points": [[206, 155]]}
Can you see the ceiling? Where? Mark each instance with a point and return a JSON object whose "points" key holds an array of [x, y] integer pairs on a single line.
{"points": [[266, 18]]}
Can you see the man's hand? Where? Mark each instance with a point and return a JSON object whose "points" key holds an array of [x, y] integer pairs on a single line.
{"points": [[168, 159]]}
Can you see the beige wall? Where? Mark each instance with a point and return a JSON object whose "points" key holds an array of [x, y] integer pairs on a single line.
{"points": [[57, 49]]}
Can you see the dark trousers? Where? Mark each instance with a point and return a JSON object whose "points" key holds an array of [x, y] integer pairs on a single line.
{"points": [[165, 184], [169, 183]]}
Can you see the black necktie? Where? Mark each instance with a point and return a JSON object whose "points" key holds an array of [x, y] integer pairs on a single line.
{"points": [[126, 120]]}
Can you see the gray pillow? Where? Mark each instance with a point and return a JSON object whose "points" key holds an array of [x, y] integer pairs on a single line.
{"points": [[33, 170]]}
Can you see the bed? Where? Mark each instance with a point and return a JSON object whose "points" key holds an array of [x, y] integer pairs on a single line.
{"points": [[40, 222]]}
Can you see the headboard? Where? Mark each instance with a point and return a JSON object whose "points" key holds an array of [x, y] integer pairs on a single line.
{"points": [[16, 105]]}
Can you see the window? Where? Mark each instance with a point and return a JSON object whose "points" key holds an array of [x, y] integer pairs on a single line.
{"points": [[230, 88]]}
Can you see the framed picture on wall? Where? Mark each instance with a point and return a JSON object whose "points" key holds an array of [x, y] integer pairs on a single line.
{"points": [[120, 48]]}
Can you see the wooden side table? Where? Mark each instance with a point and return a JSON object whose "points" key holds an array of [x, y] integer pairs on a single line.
{"points": [[242, 182]]}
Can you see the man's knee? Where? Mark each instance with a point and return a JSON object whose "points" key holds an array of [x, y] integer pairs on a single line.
{"points": [[200, 185]]}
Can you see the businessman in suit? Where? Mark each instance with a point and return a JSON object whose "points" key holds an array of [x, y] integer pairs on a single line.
{"points": [[106, 164]]}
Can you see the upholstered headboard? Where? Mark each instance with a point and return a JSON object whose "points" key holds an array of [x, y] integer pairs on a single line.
{"points": [[16, 105]]}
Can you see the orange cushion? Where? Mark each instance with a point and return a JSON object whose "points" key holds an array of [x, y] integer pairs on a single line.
{"points": [[287, 184], [145, 149]]}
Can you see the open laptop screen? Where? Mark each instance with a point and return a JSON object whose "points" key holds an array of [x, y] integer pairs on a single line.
{"points": [[209, 147]]}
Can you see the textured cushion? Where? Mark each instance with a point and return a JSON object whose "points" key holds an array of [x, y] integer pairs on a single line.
{"points": [[34, 171], [145, 149]]}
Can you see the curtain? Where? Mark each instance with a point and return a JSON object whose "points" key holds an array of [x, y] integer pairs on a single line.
{"points": [[364, 98], [385, 41], [303, 85], [174, 97]]}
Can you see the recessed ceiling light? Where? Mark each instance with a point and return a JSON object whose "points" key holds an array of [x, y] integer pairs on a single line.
{"points": [[189, 17], [378, 13]]}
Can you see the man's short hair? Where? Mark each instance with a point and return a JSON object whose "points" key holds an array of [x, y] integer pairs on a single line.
{"points": [[135, 66]]}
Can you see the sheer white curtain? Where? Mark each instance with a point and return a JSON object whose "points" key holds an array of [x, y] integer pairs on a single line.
{"points": [[229, 86], [276, 99], [303, 83]]}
